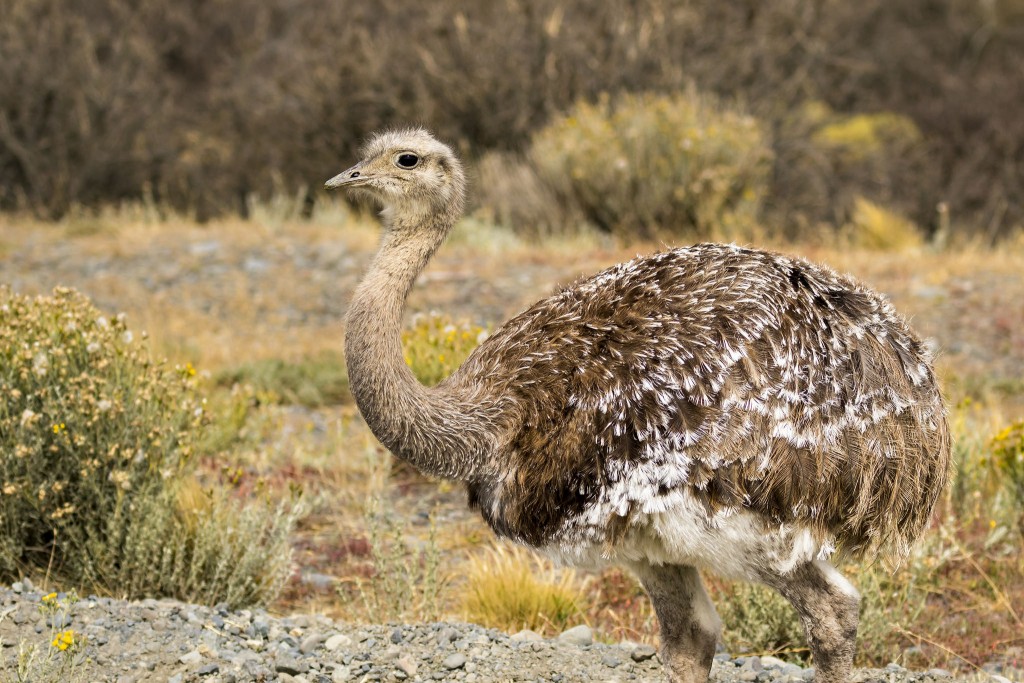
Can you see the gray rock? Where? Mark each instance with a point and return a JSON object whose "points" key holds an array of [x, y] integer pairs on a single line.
{"points": [[641, 653], [193, 657], [455, 661], [292, 667], [526, 635], [577, 635], [337, 641], [311, 642], [208, 669]]}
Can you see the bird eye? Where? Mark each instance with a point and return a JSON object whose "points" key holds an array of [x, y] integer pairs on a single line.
{"points": [[407, 160]]}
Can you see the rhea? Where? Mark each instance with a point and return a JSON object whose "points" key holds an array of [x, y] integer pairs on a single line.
{"points": [[710, 407]]}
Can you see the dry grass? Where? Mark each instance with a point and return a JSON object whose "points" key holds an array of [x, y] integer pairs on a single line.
{"points": [[235, 292], [511, 588]]}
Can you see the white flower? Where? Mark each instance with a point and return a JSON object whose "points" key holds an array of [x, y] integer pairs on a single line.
{"points": [[102, 322], [92, 347], [27, 417], [127, 337], [104, 405], [481, 337], [40, 364]]}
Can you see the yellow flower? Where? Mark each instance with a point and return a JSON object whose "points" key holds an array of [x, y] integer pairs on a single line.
{"points": [[58, 428], [64, 640], [190, 370], [991, 524], [49, 598]]}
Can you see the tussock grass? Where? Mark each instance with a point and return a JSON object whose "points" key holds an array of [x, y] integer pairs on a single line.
{"points": [[511, 588]]}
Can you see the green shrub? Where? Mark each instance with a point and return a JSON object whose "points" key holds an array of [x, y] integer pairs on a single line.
{"points": [[435, 345], [313, 381], [1008, 458], [829, 164], [644, 165], [404, 582], [758, 619], [197, 546], [873, 226], [95, 441]]}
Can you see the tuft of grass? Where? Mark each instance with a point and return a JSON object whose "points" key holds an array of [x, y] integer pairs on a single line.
{"points": [[313, 381], [404, 580], [510, 588]]}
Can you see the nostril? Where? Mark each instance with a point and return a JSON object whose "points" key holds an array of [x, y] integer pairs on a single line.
{"points": [[355, 174]]}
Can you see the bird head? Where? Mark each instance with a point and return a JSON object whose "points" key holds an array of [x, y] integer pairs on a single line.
{"points": [[407, 171]]}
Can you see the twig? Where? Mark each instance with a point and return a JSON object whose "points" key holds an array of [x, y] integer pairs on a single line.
{"points": [[911, 634]]}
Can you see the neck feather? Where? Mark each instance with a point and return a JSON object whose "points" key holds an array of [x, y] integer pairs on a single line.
{"points": [[437, 430]]}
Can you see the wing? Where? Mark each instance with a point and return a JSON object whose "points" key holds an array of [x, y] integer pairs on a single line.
{"points": [[746, 378]]}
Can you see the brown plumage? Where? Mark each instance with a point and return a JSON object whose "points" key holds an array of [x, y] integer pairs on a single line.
{"points": [[710, 406]]}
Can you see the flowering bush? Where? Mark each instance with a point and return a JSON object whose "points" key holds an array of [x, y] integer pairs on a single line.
{"points": [[87, 423], [643, 165], [435, 345], [95, 439], [1008, 457]]}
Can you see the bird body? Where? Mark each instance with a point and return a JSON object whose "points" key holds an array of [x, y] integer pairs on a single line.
{"points": [[710, 406]]}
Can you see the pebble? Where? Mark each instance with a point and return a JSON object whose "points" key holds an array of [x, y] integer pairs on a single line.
{"points": [[641, 653], [455, 661], [198, 644], [578, 635]]}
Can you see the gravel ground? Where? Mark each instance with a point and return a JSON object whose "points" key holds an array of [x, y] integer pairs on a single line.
{"points": [[175, 642]]}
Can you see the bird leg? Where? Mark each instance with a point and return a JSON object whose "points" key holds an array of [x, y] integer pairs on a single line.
{"points": [[688, 620], [828, 606]]}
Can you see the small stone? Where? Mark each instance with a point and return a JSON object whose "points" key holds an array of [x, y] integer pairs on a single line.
{"points": [[525, 636], [396, 636], [772, 662], [311, 642], [610, 661], [17, 586], [208, 669], [292, 667], [748, 675], [938, 673], [176, 678], [641, 653], [753, 664], [341, 674], [577, 635], [27, 583], [406, 665], [808, 674], [337, 641], [455, 661], [192, 657], [59, 621]]}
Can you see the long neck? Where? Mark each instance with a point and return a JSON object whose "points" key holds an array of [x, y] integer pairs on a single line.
{"points": [[434, 429]]}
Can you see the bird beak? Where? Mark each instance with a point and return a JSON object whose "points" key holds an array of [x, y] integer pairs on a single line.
{"points": [[353, 176]]}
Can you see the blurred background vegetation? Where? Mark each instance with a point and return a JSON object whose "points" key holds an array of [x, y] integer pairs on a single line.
{"points": [[200, 106]]}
